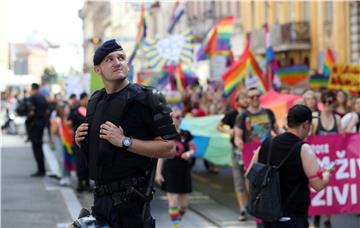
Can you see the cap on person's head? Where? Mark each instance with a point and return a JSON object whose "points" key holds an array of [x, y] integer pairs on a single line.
{"points": [[298, 114], [106, 48], [35, 86], [83, 95]]}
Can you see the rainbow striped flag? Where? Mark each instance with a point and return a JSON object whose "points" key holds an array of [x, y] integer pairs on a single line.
{"points": [[67, 137], [329, 63], [184, 76], [317, 81], [239, 70], [217, 41], [257, 72], [293, 74], [140, 35], [236, 73]]}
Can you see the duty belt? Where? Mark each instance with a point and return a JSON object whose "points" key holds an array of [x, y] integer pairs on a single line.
{"points": [[119, 186]]}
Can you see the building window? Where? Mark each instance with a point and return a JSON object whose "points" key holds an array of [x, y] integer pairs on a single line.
{"points": [[230, 9], [329, 11], [238, 10], [277, 12], [252, 14], [217, 9], [291, 11], [306, 10]]}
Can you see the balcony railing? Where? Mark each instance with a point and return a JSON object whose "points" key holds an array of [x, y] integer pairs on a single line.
{"points": [[284, 37]]}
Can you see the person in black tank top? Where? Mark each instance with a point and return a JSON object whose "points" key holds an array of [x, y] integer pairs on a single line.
{"points": [[298, 171], [328, 123]]}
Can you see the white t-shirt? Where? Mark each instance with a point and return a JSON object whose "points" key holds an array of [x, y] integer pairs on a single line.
{"points": [[345, 121]]}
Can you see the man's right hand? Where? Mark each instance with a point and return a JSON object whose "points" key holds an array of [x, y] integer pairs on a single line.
{"points": [[80, 133]]}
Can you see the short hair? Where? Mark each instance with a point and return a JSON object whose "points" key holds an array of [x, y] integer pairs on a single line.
{"points": [[35, 86], [72, 96], [252, 89], [298, 114], [83, 95], [327, 94]]}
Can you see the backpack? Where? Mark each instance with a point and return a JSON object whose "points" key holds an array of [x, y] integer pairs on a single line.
{"points": [[265, 196], [22, 108]]}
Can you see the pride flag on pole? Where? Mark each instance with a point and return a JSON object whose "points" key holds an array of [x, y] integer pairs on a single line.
{"points": [[237, 72], [184, 76], [140, 35], [271, 63], [178, 11], [329, 63], [217, 41]]}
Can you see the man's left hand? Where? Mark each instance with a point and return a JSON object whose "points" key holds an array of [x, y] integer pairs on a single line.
{"points": [[112, 133]]}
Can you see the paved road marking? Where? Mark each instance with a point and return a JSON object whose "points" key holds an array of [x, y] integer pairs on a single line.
{"points": [[71, 201]]}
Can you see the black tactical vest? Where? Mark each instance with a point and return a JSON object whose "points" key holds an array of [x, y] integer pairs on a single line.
{"points": [[102, 155]]}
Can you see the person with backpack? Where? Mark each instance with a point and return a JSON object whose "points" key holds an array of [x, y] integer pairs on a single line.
{"points": [[281, 171]]}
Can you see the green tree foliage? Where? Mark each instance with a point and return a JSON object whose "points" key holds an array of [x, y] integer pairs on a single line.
{"points": [[49, 75]]}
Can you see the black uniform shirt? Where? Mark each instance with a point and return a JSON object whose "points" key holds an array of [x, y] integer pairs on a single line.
{"points": [[137, 122], [39, 105]]}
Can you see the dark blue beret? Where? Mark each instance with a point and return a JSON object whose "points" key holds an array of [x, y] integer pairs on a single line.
{"points": [[103, 50]]}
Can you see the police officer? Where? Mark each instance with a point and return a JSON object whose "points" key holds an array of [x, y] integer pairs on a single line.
{"points": [[36, 120], [127, 128]]}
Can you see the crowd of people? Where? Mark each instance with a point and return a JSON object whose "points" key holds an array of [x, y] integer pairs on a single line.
{"points": [[333, 112], [58, 117]]}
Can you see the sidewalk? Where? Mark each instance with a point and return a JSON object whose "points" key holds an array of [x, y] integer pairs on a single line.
{"points": [[25, 201]]}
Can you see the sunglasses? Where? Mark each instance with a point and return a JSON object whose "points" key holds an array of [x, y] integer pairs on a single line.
{"points": [[329, 102], [177, 117], [254, 97]]}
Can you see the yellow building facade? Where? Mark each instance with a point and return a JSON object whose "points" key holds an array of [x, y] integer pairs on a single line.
{"points": [[328, 23]]}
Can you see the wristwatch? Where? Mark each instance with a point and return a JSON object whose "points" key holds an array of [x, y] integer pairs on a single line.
{"points": [[126, 143]]}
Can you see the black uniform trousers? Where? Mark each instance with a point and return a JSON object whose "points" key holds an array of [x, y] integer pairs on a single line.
{"points": [[293, 221], [36, 132], [122, 216]]}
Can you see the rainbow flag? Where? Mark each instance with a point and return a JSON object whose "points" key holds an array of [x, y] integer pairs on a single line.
{"points": [[257, 72], [184, 76], [293, 74], [317, 81], [224, 32], [329, 63], [140, 35], [237, 72], [67, 137], [217, 41]]}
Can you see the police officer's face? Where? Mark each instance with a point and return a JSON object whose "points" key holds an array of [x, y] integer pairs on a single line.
{"points": [[113, 67]]}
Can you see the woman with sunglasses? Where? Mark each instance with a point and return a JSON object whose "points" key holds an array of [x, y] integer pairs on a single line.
{"points": [[174, 175], [327, 123]]}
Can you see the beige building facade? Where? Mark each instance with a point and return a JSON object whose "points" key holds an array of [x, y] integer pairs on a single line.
{"points": [[300, 30]]}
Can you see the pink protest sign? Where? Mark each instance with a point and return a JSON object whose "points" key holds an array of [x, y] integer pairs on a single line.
{"points": [[342, 195]]}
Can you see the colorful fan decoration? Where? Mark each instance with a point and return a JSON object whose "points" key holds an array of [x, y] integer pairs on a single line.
{"points": [[169, 51]]}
